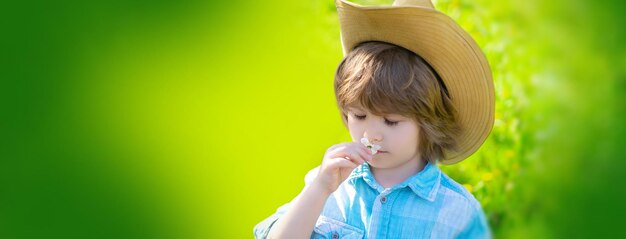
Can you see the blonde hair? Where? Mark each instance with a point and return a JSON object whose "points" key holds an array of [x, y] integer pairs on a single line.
{"points": [[388, 79]]}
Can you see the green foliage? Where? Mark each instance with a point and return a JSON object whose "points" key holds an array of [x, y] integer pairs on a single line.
{"points": [[196, 119], [544, 61]]}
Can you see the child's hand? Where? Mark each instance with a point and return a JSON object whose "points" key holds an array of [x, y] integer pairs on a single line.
{"points": [[339, 161]]}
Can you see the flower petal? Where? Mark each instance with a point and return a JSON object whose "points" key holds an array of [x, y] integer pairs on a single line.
{"points": [[365, 141]]}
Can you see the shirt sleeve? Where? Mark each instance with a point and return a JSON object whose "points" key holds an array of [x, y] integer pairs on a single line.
{"points": [[477, 227], [262, 229]]}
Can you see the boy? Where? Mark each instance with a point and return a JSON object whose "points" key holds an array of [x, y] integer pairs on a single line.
{"points": [[413, 90]]}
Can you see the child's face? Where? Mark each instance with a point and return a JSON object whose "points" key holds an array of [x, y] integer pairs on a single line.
{"points": [[398, 136]]}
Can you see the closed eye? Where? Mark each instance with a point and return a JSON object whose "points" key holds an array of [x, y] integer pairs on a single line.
{"points": [[391, 123], [388, 122], [360, 117]]}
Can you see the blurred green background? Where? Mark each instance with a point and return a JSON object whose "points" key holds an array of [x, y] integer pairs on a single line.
{"points": [[197, 119]]}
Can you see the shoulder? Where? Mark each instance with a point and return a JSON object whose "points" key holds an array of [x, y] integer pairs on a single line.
{"points": [[460, 209], [453, 191]]}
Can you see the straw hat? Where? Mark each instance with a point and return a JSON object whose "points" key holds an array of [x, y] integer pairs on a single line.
{"points": [[417, 26]]}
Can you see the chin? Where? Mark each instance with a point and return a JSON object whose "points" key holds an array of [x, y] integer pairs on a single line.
{"points": [[376, 163]]}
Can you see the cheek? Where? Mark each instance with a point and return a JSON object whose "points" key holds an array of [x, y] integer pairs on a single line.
{"points": [[355, 130], [407, 136]]}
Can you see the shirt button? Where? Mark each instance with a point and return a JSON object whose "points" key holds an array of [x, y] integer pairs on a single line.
{"points": [[335, 235], [383, 199]]}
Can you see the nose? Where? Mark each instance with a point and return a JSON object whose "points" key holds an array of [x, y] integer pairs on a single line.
{"points": [[373, 131], [373, 138]]}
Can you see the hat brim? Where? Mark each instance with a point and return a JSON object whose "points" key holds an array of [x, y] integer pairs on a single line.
{"points": [[450, 50]]}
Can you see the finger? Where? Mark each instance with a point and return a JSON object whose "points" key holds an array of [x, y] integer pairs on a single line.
{"points": [[357, 161], [336, 148], [344, 163], [343, 146], [354, 156], [354, 151], [365, 150], [365, 153]]}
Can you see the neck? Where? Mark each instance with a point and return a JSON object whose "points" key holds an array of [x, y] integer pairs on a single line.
{"points": [[389, 177]]}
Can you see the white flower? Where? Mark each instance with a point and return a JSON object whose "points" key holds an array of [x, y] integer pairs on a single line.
{"points": [[373, 147]]}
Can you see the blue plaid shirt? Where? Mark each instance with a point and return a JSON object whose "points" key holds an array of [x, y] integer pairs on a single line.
{"points": [[427, 205]]}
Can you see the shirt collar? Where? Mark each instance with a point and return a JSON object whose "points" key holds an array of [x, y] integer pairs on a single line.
{"points": [[425, 183]]}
